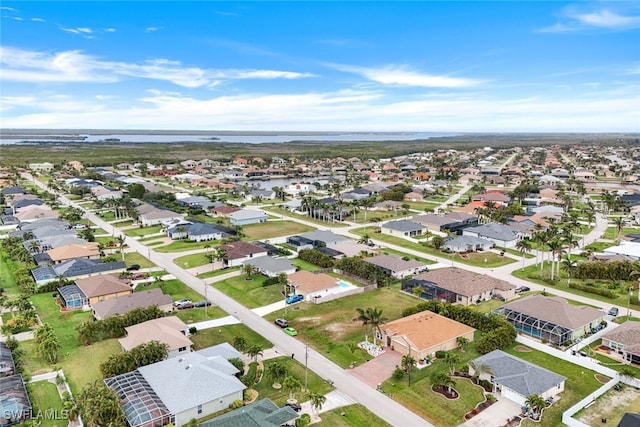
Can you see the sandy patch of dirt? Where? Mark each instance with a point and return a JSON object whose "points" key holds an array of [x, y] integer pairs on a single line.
{"points": [[611, 404], [315, 319], [522, 349]]}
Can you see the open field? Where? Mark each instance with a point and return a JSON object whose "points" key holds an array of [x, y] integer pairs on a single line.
{"points": [[250, 293], [612, 405], [271, 229], [213, 336]]}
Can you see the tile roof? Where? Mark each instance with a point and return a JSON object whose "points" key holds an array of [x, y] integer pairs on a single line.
{"points": [[132, 301], [168, 330], [463, 282], [307, 282], [103, 284], [426, 329], [71, 251]]}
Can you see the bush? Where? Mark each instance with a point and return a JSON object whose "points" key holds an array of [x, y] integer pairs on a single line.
{"points": [[440, 354], [303, 421], [398, 374], [193, 330], [236, 404]]}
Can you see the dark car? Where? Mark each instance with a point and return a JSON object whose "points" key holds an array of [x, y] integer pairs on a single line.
{"points": [[203, 304], [133, 267], [613, 312], [523, 289], [295, 406], [282, 322]]}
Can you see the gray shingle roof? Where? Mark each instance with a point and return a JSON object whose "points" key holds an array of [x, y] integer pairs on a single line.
{"points": [[263, 413], [267, 263], [494, 231], [520, 376], [403, 225], [556, 310]]}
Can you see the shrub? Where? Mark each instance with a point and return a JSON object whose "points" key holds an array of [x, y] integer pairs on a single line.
{"points": [[398, 374], [193, 330], [440, 354], [236, 404]]}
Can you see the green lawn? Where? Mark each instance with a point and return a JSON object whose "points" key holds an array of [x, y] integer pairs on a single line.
{"points": [[143, 231], [215, 273], [173, 287], [295, 369], [612, 233], [250, 293], [208, 337], [280, 211], [329, 327], [270, 229], [46, 401], [354, 415], [136, 258], [193, 260], [304, 265], [193, 315], [182, 245]]}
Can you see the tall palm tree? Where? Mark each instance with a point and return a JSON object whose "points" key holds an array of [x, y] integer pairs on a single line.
{"points": [[480, 368], [372, 316], [441, 379], [408, 362], [535, 402], [254, 351], [554, 248], [619, 223], [317, 400], [277, 371], [451, 360], [569, 267], [240, 343], [524, 245]]}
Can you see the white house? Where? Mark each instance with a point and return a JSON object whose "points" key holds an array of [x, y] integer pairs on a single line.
{"points": [[247, 216]]}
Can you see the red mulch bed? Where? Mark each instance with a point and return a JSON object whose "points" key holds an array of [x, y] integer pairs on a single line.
{"points": [[453, 394]]}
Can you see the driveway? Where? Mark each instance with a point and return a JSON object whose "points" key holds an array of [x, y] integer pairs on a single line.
{"points": [[495, 415], [379, 368]]}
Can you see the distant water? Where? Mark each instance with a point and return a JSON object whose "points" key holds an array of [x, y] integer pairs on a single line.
{"points": [[239, 138]]}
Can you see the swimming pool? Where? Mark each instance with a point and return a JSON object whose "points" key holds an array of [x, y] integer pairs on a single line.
{"points": [[343, 284]]}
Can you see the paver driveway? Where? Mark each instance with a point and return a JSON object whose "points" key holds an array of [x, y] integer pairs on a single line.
{"points": [[378, 369]]}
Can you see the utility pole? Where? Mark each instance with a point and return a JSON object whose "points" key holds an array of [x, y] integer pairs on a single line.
{"points": [[306, 359]]}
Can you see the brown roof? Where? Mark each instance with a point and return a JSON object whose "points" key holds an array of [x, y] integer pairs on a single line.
{"points": [[74, 250], [166, 330], [464, 282], [556, 310], [129, 302], [225, 210], [307, 282], [102, 284], [240, 249], [426, 329], [627, 334]]}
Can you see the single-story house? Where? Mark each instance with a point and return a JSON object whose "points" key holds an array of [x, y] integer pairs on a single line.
{"points": [[461, 244], [516, 379], [625, 340], [271, 267], [422, 334], [448, 221], [629, 420], [501, 235], [103, 287], [247, 216], [151, 215], [238, 252], [263, 413], [175, 390], [169, 330], [455, 285], [403, 227], [628, 249], [551, 318], [124, 304], [224, 211], [7, 365], [74, 268], [197, 232], [86, 250], [395, 266], [351, 248], [313, 286], [261, 194], [316, 238]]}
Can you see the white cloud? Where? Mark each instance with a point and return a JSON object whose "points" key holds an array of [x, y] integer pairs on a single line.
{"points": [[607, 19], [8, 9], [152, 29], [110, 30], [75, 66], [576, 18], [79, 31], [38, 20], [400, 76], [17, 18]]}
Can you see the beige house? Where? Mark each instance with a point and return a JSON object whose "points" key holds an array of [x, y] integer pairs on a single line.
{"points": [[169, 330], [424, 333], [624, 340], [124, 304], [103, 287], [88, 250]]}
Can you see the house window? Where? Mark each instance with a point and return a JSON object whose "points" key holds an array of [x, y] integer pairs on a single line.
{"points": [[182, 349], [199, 409]]}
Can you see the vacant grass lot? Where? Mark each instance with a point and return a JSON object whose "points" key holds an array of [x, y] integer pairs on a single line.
{"points": [[612, 233], [354, 415], [143, 231], [215, 273], [251, 293], [271, 229], [136, 258], [208, 337], [193, 260], [278, 211], [44, 397], [329, 327], [173, 287], [182, 245], [193, 315]]}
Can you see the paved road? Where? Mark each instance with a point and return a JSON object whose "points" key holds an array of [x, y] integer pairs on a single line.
{"points": [[384, 407]]}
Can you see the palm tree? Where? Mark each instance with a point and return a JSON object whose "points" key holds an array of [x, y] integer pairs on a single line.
{"points": [[569, 267], [408, 362], [291, 384], [451, 360], [619, 223], [373, 317], [554, 248], [317, 400], [441, 379], [535, 402], [277, 371], [462, 343], [248, 270], [239, 343], [480, 368], [254, 351], [626, 373], [524, 245]]}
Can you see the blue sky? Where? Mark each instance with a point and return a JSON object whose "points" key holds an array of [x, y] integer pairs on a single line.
{"points": [[441, 66]]}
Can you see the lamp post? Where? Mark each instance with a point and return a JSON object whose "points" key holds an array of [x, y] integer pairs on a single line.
{"points": [[629, 302], [306, 359]]}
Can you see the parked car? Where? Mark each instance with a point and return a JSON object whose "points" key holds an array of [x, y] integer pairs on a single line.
{"points": [[182, 301], [185, 305], [203, 303], [290, 331], [523, 289], [133, 267], [292, 299], [295, 406], [283, 323], [614, 311]]}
